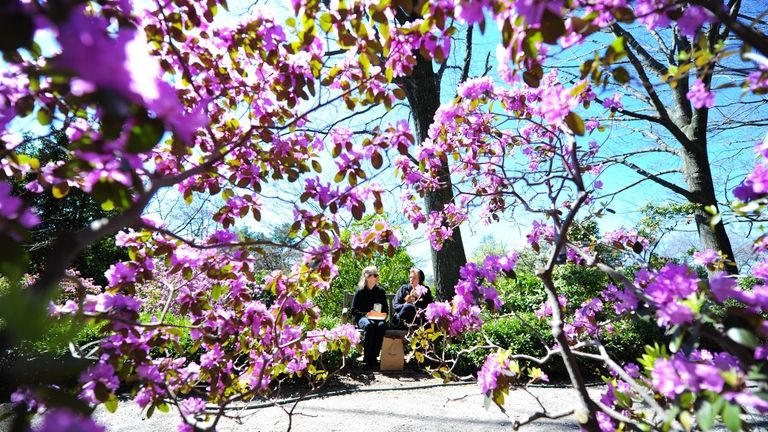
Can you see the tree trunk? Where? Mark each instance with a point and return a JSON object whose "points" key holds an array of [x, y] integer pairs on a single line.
{"points": [[423, 93], [698, 177]]}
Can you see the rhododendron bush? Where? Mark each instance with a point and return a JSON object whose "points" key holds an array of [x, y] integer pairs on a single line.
{"points": [[165, 95]]}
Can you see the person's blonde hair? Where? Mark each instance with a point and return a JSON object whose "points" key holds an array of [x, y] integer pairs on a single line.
{"points": [[366, 272]]}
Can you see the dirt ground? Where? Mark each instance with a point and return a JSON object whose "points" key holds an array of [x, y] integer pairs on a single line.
{"points": [[375, 401]]}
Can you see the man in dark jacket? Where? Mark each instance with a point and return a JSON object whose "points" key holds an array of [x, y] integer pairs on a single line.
{"points": [[411, 301]]}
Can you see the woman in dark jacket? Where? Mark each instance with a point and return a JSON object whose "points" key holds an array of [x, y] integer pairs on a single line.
{"points": [[410, 301], [367, 295]]}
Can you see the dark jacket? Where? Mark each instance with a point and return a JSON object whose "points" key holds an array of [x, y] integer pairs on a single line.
{"points": [[363, 301], [421, 304]]}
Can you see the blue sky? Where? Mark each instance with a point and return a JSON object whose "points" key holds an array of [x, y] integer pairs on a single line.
{"points": [[511, 232]]}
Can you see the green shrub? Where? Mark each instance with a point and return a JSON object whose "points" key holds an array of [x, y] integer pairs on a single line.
{"points": [[524, 294], [54, 342], [393, 272]]}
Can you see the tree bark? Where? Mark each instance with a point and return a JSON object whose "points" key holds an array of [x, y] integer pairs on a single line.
{"points": [[688, 125], [698, 177], [423, 91]]}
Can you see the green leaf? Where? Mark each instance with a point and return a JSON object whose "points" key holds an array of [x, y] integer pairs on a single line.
{"points": [[163, 407], [714, 220], [686, 419], [365, 63], [43, 117], [575, 123], [145, 135], [60, 190], [706, 416], [732, 417], [326, 22], [617, 46], [111, 404], [216, 292], [552, 27], [621, 75], [743, 337]]}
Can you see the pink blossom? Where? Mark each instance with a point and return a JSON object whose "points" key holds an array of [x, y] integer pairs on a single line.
{"points": [[487, 376], [192, 406], [471, 11], [12, 208], [604, 422], [673, 313], [614, 102], [723, 287], [700, 96], [692, 19], [706, 257], [475, 88], [62, 419], [100, 373], [125, 66], [533, 10]]}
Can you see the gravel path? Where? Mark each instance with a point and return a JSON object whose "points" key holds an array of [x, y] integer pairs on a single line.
{"points": [[377, 402]]}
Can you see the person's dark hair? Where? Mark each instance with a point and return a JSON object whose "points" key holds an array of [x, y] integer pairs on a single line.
{"points": [[421, 274]]}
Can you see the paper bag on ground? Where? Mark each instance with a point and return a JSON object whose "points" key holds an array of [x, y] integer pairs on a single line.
{"points": [[392, 355]]}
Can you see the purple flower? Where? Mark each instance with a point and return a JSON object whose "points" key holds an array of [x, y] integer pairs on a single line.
{"points": [[760, 270], [98, 374], [692, 19], [120, 273], [706, 257], [671, 283], [125, 66], [475, 88], [64, 420], [761, 352], [673, 313], [488, 375], [143, 397], [471, 11], [212, 357], [613, 102], [723, 287], [150, 372], [746, 399], [700, 96], [665, 378], [653, 13], [533, 10], [437, 310], [745, 193], [604, 422], [12, 208], [25, 396], [192, 406], [709, 378], [632, 370], [556, 103]]}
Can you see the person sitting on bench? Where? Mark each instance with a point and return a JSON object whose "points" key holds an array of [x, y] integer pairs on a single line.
{"points": [[368, 297], [411, 301]]}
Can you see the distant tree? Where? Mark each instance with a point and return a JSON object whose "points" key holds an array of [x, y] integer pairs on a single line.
{"points": [[489, 245], [71, 210], [275, 249]]}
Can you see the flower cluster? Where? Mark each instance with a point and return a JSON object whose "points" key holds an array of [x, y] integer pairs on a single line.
{"points": [[626, 239]]}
